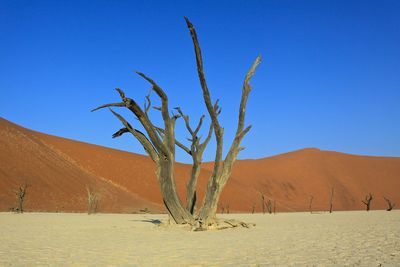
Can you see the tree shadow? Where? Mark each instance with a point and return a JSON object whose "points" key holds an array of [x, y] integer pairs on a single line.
{"points": [[152, 221]]}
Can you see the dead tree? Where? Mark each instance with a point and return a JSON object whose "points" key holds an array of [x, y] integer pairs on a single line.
{"points": [[331, 200], [269, 206], [274, 206], [227, 208], [93, 200], [262, 203], [310, 204], [20, 194], [253, 208], [389, 203], [367, 201], [159, 143], [222, 208]]}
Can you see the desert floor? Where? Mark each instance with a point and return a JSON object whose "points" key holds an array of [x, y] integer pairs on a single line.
{"points": [[285, 239]]}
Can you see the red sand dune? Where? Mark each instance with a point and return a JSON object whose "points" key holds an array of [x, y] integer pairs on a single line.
{"points": [[59, 170]]}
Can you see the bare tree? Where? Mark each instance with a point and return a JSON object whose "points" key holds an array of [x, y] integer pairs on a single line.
{"points": [[227, 208], [331, 200], [160, 142], [269, 206], [20, 194], [389, 203], [253, 208], [367, 201], [274, 206], [93, 200], [144, 210], [310, 204], [222, 208], [262, 203]]}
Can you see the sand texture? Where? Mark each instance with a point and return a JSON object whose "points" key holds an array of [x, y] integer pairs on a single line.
{"points": [[286, 239]]}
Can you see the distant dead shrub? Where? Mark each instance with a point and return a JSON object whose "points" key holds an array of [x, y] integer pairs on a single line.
{"points": [[389, 203], [331, 200], [20, 194], [367, 201], [93, 200]]}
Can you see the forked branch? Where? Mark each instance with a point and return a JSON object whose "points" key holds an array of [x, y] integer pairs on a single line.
{"points": [[141, 137], [367, 201], [196, 151], [129, 103], [169, 124]]}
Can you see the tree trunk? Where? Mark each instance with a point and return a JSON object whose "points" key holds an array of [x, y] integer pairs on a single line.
{"points": [[191, 196], [21, 204], [171, 200], [208, 211], [310, 204]]}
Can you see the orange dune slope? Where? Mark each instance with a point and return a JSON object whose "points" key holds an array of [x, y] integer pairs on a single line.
{"points": [[58, 171], [57, 181], [292, 179]]}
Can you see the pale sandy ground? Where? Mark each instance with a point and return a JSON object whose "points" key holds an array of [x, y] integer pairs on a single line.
{"points": [[285, 239]]}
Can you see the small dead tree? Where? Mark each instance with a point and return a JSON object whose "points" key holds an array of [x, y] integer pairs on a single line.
{"points": [[389, 203], [222, 208], [93, 200], [310, 204], [269, 206], [20, 194], [262, 203], [253, 208], [160, 142], [331, 200], [367, 201], [274, 206]]}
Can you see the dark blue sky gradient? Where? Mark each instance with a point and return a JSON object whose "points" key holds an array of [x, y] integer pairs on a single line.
{"points": [[330, 76]]}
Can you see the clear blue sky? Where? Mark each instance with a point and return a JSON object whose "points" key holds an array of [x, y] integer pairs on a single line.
{"points": [[330, 76]]}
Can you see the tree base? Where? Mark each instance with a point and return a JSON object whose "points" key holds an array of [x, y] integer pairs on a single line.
{"points": [[222, 224], [217, 224]]}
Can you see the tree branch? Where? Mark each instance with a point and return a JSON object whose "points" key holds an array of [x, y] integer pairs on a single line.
{"points": [[121, 104], [168, 124], [179, 144], [207, 99], [147, 104], [120, 132], [240, 132], [145, 121], [186, 119], [147, 145], [196, 131]]}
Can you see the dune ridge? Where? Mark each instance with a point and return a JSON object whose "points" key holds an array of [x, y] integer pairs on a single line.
{"points": [[59, 170]]}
